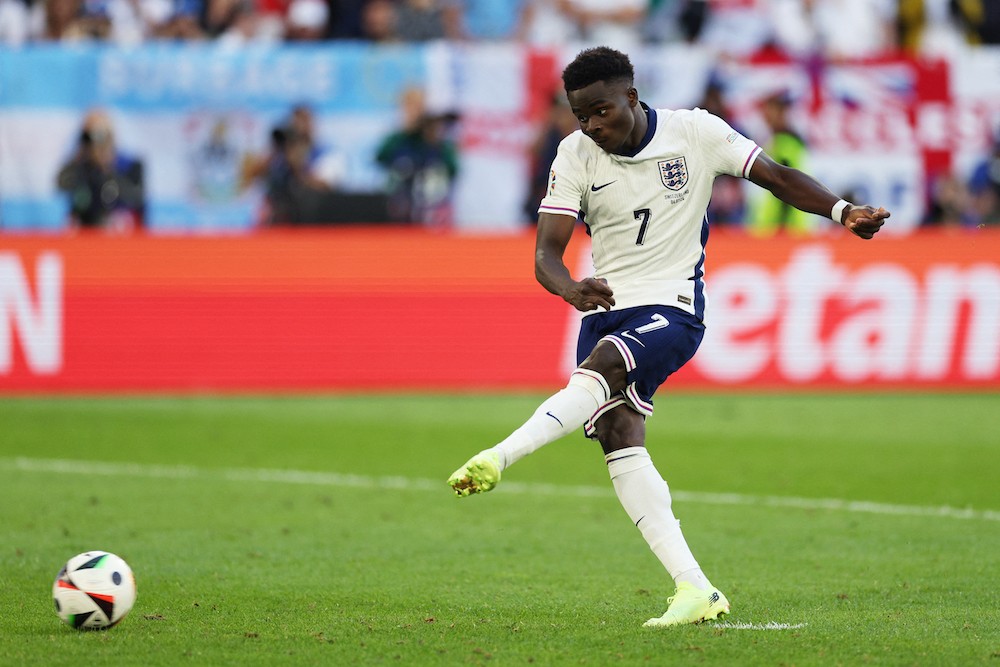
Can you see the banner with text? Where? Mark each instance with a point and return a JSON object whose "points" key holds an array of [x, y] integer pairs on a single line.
{"points": [[360, 309]]}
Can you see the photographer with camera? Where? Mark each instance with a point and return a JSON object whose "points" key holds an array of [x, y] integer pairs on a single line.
{"points": [[298, 174], [105, 187]]}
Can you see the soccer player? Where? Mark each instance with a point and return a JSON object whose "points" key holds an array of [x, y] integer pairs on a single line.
{"points": [[641, 180]]}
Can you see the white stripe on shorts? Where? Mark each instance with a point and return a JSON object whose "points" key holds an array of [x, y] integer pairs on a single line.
{"points": [[623, 350]]}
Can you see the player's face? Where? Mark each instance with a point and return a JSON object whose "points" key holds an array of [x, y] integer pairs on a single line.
{"points": [[606, 113]]}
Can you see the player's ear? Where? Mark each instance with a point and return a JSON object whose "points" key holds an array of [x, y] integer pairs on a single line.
{"points": [[633, 97]]}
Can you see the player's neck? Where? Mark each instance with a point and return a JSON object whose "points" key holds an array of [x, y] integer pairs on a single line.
{"points": [[637, 136]]}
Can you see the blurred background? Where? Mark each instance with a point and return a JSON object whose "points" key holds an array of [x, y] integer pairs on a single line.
{"points": [[228, 115], [154, 155]]}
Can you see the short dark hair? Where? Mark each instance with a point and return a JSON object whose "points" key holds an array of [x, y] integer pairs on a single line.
{"points": [[597, 64]]}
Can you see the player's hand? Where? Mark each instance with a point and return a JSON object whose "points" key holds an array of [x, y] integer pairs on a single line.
{"points": [[590, 294], [865, 221]]}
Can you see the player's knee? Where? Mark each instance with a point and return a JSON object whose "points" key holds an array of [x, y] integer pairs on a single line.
{"points": [[620, 428], [607, 361], [593, 383]]}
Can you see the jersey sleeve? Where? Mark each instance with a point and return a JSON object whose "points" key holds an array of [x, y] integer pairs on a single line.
{"points": [[727, 151], [565, 190]]}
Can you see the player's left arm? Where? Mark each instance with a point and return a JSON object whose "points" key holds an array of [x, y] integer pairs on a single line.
{"points": [[807, 194]]}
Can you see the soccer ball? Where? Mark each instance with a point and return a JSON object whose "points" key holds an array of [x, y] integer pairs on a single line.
{"points": [[94, 590]]}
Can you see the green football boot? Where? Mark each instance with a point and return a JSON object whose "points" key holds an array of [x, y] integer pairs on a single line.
{"points": [[690, 604], [479, 474]]}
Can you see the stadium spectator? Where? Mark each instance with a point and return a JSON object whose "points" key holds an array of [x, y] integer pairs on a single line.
{"points": [[421, 163], [105, 187], [183, 22], [930, 27], [298, 174], [379, 20], [675, 20], [14, 22], [949, 202], [644, 178], [980, 20], [768, 213], [242, 22], [427, 20], [805, 29], [736, 28], [246, 26], [308, 21], [617, 24], [74, 20], [558, 22], [559, 123], [728, 204], [984, 187], [346, 19], [545, 23]]}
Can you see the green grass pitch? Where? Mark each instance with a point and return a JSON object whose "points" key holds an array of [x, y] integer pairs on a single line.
{"points": [[846, 529]]}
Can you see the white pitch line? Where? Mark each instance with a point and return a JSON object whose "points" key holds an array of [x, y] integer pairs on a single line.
{"points": [[771, 625], [68, 466]]}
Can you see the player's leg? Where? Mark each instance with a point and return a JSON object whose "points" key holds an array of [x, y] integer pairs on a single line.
{"points": [[645, 496], [590, 387], [654, 342]]}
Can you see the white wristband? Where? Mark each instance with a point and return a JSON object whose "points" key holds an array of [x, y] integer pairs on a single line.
{"points": [[838, 210]]}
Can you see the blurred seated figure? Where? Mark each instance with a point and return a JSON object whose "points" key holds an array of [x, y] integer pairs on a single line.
{"points": [[307, 21], [181, 22], [559, 123], [378, 21], [427, 20], [984, 187], [728, 204], [105, 187], [74, 20], [297, 173], [421, 162], [950, 202]]}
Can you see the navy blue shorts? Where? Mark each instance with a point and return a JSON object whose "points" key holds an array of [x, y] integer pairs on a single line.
{"points": [[654, 341]]}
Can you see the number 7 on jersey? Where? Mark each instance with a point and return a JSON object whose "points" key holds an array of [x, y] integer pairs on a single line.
{"points": [[645, 214]]}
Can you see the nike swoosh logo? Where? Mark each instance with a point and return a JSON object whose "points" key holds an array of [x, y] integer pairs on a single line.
{"points": [[595, 188]]}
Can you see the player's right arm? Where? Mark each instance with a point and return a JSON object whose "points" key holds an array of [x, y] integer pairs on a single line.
{"points": [[551, 240]]}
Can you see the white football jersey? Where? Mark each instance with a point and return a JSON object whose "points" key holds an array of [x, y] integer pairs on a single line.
{"points": [[647, 213]]}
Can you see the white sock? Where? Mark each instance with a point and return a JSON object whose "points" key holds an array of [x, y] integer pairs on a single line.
{"points": [[560, 414], [646, 499]]}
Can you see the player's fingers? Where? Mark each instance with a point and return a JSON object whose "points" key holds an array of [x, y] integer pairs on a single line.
{"points": [[593, 303], [600, 286], [866, 231]]}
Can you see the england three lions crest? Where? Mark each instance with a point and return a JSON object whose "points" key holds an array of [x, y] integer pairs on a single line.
{"points": [[673, 172]]}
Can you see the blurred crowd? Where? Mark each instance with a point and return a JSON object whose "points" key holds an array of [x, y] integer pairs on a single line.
{"points": [[830, 28], [420, 158]]}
